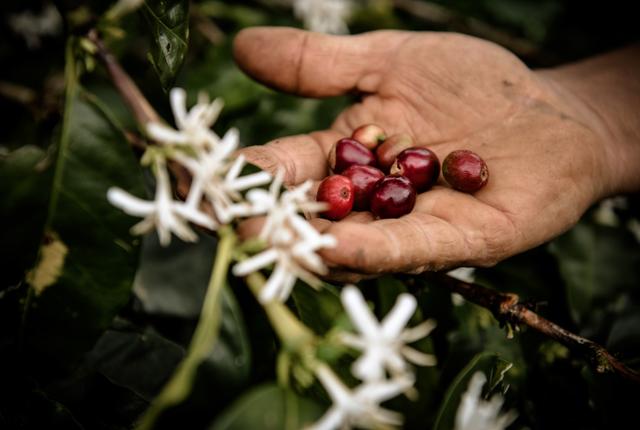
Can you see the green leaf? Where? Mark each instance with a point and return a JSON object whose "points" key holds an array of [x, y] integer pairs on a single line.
{"points": [[25, 185], [172, 281], [488, 363], [138, 359], [598, 265], [269, 407], [318, 309], [88, 258], [168, 23]]}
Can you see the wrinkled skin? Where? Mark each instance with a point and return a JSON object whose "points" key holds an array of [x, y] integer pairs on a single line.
{"points": [[547, 160]]}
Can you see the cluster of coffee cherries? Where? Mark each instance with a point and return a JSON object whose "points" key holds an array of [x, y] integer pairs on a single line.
{"points": [[359, 182]]}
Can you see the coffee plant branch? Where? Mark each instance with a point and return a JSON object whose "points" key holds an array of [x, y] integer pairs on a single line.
{"points": [[507, 308]]}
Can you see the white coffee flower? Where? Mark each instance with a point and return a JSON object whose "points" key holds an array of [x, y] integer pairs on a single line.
{"points": [[194, 127], [324, 16], [218, 179], [33, 26], [383, 344], [359, 407], [292, 242], [163, 213], [475, 413]]}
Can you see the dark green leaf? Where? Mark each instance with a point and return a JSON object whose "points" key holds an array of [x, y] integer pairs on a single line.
{"points": [[389, 288], [318, 309], [172, 282], [138, 359], [88, 258], [598, 264], [25, 186], [170, 285], [168, 24], [269, 407]]}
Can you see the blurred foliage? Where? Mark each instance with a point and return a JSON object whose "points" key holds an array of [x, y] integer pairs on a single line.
{"points": [[93, 345]]}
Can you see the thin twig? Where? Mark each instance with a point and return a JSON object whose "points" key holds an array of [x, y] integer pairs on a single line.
{"points": [[506, 307], [442, 16], [140, 107]]}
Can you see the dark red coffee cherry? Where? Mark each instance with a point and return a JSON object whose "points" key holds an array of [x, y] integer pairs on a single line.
{"points": [[364, 178], [347, 152], [393, 196], [419, 165], [465, 171]]}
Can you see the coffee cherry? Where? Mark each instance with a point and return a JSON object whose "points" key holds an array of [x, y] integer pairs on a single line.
{"points": [[391, 147], [370, 135], [364, 178], [465, 171], [347, 152], [337, 191], [393, 196], [419, 165]]}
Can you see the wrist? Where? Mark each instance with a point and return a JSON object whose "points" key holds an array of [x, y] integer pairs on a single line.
{"points": [[603, 94]]}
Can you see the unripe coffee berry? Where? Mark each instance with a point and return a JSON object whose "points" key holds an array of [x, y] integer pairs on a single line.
{"points": [[419, 165], [370, 135], [393, 196], [337, 192], [364, 178], [347, 152], [390, 148], [465, 171]]}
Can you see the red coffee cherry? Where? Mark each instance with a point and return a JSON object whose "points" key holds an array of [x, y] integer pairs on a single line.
{"points": [[337, 191], [419, 165], [364, 178], [370, 135], [347, 152], [465, 171], [393, 196]]}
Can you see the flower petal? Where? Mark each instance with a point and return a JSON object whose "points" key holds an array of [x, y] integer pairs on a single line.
{"points": [[381, 391], [369, 366], [418, 332], [129, 203], [336, 389], [178, 101], [255, 263], [167, 135], [358, 311], [398, 316], [271, 289], [418, 357]]}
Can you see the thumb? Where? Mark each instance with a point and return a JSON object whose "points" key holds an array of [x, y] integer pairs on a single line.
{"points": [[301, 157], [315, 64]]}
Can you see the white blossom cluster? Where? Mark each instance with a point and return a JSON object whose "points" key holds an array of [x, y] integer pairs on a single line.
{"points": [[324, 16], [217, 181], [382, 366]]}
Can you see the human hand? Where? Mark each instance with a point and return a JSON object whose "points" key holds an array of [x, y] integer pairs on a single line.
{"points": [[547, 162]]}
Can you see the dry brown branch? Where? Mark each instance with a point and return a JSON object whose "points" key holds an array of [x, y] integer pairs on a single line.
{"points": [[506, 307], [131, 94]]}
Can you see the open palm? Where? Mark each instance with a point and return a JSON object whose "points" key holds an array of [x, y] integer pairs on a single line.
{"points": [[448, 92]]}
